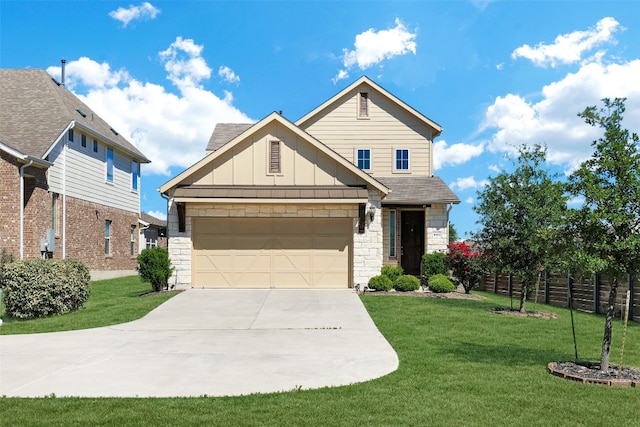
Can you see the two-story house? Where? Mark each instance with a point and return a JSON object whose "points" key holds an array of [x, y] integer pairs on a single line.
{"points": [[324, 202], [69, 182]]}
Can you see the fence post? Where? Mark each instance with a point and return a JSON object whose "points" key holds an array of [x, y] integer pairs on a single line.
{"points": [[510, 285], [569, 289], [596, 293], [546, 287], [495, 282], [630, 287]]}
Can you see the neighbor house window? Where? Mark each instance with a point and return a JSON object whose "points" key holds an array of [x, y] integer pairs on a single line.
{"points": [[109, 165], [363, 104], [151, 238], [132, 240], [95, 146], [364, 159], [107, 237], [70, 135], [392, 234], [55, 213], [402, 159], [135, 173], [83, 140], [274, 157]]}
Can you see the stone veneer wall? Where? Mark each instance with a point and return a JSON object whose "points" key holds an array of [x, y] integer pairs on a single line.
{"points": [[367, 259], [437, 229]]}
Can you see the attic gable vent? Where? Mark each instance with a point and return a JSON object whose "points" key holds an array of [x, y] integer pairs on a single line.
{"points": [[82, 113], [114, 131]]}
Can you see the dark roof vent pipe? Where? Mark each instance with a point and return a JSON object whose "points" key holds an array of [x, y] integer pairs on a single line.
{"points": [[64, 62]]}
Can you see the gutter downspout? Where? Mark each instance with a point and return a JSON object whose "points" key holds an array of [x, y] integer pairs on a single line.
{"points": [[64, 200], [22, 168]]}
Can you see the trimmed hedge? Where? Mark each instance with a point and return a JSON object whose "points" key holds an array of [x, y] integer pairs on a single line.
{"points": [[434, 263], [392, 272], [154, 266], [380, 283], [406, 283], [439, 283], [39, 288]]}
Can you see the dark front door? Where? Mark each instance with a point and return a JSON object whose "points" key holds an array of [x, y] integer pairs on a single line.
{"points": [[411, 241]]}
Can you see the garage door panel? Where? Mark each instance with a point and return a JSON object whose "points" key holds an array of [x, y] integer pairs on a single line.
{"points": [[271, 252]]}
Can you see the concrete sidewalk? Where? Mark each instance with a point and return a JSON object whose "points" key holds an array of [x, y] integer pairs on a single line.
{"points": [[206, 342]]}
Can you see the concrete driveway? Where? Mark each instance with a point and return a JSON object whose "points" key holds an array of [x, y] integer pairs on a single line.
{"points": [[206, 342]]}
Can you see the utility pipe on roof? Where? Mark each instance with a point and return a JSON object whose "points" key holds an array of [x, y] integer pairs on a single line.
{"points": [[22, 168]]}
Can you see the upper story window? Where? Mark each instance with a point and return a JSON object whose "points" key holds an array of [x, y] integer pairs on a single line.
{"points": [[364, 158], [135, 173], [363, 104], [95, 146], [401, 159], [70, 135], [109, 165], [83, 140], [274, 157]]}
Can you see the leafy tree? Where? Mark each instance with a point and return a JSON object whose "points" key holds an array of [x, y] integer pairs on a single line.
{"points": [[521, 214], [453, 233], [608, 224], [154, 266]]}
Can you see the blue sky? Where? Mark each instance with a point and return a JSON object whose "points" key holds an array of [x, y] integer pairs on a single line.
{"points": [[494, 74]]}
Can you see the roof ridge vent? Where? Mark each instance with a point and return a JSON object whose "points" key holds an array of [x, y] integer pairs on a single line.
{"points": [[114, 132], [82, 113]]}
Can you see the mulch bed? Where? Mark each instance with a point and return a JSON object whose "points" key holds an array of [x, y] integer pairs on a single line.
{"points": [[428, 294], [590, 373]]}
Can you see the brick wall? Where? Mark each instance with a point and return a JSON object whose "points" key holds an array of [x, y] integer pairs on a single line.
{"points": [[85, 222]]}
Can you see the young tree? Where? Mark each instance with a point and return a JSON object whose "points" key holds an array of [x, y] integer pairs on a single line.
{"points": [[453, 233], [521, 214], [608, 224], [465, 264]]}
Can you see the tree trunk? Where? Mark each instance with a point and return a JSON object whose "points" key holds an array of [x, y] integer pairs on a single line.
{"points": [[608, 325], [523, 297]]}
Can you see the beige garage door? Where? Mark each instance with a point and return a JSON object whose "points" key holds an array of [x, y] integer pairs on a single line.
{"points": [[271, 253]]}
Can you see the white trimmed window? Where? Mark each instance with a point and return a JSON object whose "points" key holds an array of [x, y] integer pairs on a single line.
{"points": [[135, 174], [107, 237], [401, 159], [132, 240], [364, 158], [109, 165]]}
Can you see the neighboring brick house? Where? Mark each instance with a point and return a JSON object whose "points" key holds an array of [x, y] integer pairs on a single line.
{"points": [[324, 202], [69, 182]]}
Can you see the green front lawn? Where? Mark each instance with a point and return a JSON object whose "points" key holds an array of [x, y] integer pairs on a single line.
{"points": [[460, 365]]}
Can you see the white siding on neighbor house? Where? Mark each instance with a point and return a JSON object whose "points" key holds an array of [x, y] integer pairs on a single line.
{"points": [[387, 127], [248, 164], [86, 175]]}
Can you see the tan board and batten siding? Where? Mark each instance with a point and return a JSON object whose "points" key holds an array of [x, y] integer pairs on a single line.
{"points": [[341, 129], [271, 253]]}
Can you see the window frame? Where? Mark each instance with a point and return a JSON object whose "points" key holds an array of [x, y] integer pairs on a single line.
{"points": [[95, 146], [132, 240], [83, 140], [70, 135], [396, 151], [109, 162], [368, 159], [55, 213], [135, 174], [107, 237]]}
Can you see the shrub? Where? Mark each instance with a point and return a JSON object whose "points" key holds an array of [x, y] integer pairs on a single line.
{"points": [[39, 288], [434, 263], [380, 283], [465, 265], [5, 258], [439, 283], [154, 266], [406, 283], [392, 272]]}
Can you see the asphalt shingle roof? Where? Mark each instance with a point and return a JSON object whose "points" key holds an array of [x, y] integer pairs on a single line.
{"points": [[417, 190], [225, 132], [35, 110]]}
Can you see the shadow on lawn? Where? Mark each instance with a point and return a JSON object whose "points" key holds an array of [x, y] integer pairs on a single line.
{"points": [[509, 355]]}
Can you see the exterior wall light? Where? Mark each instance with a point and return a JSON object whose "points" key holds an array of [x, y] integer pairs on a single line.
{"points": [[372, 212]]}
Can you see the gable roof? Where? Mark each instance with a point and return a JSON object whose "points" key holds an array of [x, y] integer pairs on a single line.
{"points": [[36, 111], [274, 117], [152, 220], [225, 132], [437, 129]]}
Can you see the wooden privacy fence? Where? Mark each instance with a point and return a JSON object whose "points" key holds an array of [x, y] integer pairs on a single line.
{"points": [[590, 293]]}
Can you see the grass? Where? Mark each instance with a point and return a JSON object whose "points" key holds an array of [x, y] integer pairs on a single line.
{"points": [[111, 302], [459, 365]]}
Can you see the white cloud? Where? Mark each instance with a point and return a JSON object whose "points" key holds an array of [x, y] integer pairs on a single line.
{"points": [[145, 11], [469, 200], [373, 47], [158, 214], [494, 168], [172, 130], [228, 75], [569, 48], [456, 154], [468, 182]]}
